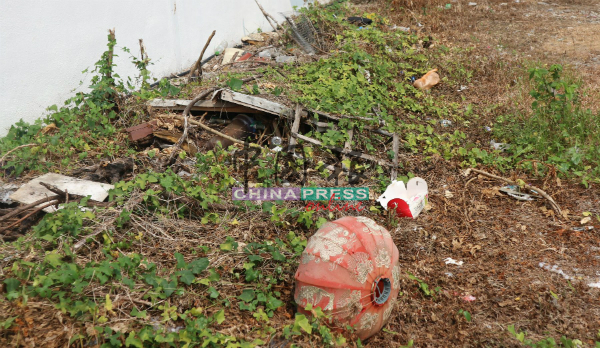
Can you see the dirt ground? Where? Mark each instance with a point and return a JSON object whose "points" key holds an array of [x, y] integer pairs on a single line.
{"points": [[523, 266]]}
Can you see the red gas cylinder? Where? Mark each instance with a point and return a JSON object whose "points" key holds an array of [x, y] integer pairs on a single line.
{"points": [[350, 269]]}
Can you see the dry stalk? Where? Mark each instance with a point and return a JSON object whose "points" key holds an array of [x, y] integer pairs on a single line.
{"points": [[198, 64], [16, 148], [527, 186]]}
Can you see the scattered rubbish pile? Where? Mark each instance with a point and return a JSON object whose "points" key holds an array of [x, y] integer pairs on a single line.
{"points": [[46, 193], [350, 269]]}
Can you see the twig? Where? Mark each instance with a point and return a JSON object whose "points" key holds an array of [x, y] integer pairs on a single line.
{"points": [[101, 228], [143, 54], [111, 34], [207, 128], [51, 203], [19, 210], [65, 196], [198, 63], [186, 113], [527, 186], [16, 148], [268, 17], [344, 151]]}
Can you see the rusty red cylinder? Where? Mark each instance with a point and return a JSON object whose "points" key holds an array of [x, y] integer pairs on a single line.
{"points": [[350, 270], [239, 128]]}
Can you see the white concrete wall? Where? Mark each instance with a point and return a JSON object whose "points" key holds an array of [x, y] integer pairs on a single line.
{"points": [[45, 45]]}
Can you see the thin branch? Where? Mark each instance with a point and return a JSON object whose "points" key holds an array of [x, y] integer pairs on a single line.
{"points": [[37, 210], [198, 64], [16, 148], [527, 186], [19, 210], [268, 17]]}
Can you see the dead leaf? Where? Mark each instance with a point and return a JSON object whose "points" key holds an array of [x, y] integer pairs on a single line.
{"points": [[51, 128], [448, 194], [585, 220], [505, 303]]}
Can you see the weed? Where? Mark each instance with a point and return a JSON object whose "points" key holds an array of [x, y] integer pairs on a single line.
{"points": [[558, 131]]}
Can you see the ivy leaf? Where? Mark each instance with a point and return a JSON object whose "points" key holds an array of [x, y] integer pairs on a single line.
{"points": [[132, 341], [12, 284], [302, 322], [247, 295], [53, 258], [198, 265], [235, 84], [180, 261], [251, 275], [277, 256], [213, 293], [273, 303], [138, 314], [220, 316], [229, 244], [186, 277], [255, 258], [167, 182], [108, 305]]}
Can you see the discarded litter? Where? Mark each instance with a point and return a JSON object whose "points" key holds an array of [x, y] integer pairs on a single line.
{"points": [[363, 297], [265, 54], [33, 191], [276, 141], [488, 129], [240, 127], [428, 80], [515, 192], [5, 192], [406, 29], [451, 261], [446, 123], [582, 228], [285, 59], [499, 146], [469, 298], [359, 21], [472, 4], [462, 88], [229, 53], [220, 48], [408, 200]]}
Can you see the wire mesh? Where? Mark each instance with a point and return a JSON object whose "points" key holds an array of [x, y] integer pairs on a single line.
{"points": [[302, 31]]}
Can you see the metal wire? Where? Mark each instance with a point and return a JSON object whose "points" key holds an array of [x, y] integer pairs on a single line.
{"points": [[303, 31]]}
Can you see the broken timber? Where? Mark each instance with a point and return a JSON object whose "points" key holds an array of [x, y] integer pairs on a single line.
{"points": [[202, 105], [256, 103], [231, 101]]}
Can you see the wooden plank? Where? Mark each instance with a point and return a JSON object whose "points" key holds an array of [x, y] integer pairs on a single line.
{"points": [[295, 128], [202, 105], [257, 103], [349, 153], [395, 148]]}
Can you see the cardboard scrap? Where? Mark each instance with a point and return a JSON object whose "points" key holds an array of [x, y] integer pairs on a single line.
{"points": [[33, 191]]}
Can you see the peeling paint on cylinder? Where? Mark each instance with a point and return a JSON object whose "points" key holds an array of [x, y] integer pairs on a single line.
{"points": [[350, 270]]}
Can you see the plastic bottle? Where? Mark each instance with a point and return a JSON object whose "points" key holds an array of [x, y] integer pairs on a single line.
{"points": [[222, 46]]}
